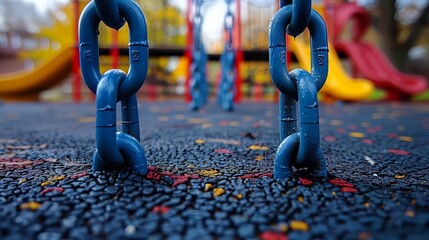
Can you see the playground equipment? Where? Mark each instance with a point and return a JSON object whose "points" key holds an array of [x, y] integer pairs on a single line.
{"points": [[53, 63], [339, 85], [61, 33], [367, 59], [190, 50], [27, 85], [227, 89], [198, 82], [122, 149], [298, 149]]}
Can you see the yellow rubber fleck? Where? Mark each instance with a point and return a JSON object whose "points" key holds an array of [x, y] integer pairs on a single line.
{"points": [[234, 124], [86, 119], [356, 135], [199, 141], [410, 213], [43, 184], [283, 227], [30, 206], [406, 138], [335, 122], [218, 192], [58, 178], [299, 226], [209, 172], [207, 187], [196, 120], [257, 147]]}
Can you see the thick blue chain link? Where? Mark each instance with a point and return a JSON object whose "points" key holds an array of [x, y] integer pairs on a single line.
{"points": [[301, 12], [198, 82], [227, 90], [109, 13], [122, 149], [298, 149]]}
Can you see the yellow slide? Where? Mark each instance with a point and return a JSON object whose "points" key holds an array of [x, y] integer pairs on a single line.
{"points": [[338, 84], [27, 85]]}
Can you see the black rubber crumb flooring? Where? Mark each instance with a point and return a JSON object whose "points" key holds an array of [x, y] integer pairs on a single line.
{"points": [[211, 175]]}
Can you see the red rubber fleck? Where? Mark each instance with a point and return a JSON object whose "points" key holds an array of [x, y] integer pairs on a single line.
{"points": [[161, 209], [349, 190], [180, 181], [306, 182], [223, 151], [340, 182], [269, 235], [47, 190], [78, 175], [399, 152]]}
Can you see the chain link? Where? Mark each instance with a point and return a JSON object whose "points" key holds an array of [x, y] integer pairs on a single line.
{"points": [[227, 90], [198, 82], [298, 149], [301, 11], [109, 13], [115, 150]]}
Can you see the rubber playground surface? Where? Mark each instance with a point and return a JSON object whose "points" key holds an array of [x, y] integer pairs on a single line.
{"points": [[211, 175]]}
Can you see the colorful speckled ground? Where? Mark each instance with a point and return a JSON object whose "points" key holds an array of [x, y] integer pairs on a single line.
{"points": [[211, 175]]}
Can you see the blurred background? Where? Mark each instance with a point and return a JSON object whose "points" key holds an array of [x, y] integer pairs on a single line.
{"points": [[38, 42]]}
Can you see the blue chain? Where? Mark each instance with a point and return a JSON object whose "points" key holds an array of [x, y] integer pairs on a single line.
{"points": [[301, 12], [227, 88], [115, 149], [109, 13], [198, 83], [298, 149]]}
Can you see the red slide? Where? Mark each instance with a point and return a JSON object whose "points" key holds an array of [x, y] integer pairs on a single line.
{"points": [[367, 59]]}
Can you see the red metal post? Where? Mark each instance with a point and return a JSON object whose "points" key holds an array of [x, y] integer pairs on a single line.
{"points": [[114, 50], [77, 80], [288, 58], [239, 52], [188, 51]]}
